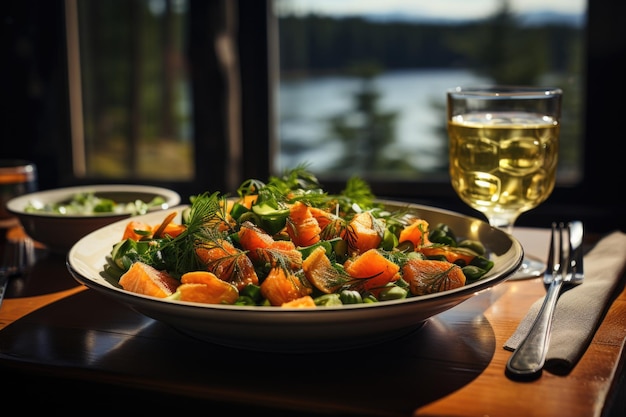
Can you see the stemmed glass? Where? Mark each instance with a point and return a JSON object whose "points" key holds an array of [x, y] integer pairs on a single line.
{"points": [[504, 143]]}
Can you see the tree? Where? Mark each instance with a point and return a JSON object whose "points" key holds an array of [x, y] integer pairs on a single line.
{"points": [[366, 132]]}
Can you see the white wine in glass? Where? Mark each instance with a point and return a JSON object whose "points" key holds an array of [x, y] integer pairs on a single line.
{"points": [[503, 147]]}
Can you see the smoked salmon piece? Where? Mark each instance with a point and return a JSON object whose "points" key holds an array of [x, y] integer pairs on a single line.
{"points": [[416, 233], [428, 276], [282, 253], [451, 255], [281, 287], [147, 280], [137, 230], [329, 223], [229, 264], [302, 302], [205, 287], [302, 227], [251, 238], [363, 233], [262, 248], [320, 272], [373, 267]]}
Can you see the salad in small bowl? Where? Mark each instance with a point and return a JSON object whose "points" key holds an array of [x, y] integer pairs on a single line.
{"points": [[59, 217]]}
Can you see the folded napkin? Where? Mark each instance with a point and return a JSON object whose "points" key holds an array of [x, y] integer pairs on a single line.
{"points": [[580, 309]]}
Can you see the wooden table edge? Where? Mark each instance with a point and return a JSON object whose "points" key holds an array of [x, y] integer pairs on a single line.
{"points": [[13, 309]]}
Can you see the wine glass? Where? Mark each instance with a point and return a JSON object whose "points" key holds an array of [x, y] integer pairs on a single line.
{"points": [[504, 143]]}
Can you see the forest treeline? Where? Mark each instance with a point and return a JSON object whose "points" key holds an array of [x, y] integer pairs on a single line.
{"points": [[499, 47]]}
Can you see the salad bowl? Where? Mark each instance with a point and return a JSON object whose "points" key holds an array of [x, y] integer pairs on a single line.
{"points": [[298, 330], [43, 220]]}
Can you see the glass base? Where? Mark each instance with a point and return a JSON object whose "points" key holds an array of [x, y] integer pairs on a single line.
{"points": [[530, 268]]}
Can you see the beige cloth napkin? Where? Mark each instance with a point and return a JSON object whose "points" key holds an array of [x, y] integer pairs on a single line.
{"points": [[580, 309]]}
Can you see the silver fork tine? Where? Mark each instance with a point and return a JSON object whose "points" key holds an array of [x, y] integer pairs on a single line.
{"points": [[550, 265], [564, 264], [569, 267]]}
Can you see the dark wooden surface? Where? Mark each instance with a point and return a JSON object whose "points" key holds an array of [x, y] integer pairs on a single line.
{"points": [[68, 346]]}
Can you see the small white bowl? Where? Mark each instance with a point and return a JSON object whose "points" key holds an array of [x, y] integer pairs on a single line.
{"points": [[58, 232]]}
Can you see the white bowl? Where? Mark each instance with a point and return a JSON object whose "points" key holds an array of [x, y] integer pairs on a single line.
{"points": [[296, 329], [58, 232]]}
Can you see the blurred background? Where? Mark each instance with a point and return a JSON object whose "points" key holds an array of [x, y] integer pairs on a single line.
{"points": [[199, 95]]}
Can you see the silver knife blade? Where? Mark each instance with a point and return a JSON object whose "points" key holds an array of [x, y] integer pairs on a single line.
{"points": [[576, 231]]}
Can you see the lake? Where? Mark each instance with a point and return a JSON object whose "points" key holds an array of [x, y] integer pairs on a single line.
{"points": [[417, 96]]}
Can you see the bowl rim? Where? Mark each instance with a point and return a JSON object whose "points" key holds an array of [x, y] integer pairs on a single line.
{"points": [[17, 204]]}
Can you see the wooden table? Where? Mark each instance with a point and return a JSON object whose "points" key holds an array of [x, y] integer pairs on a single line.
{"points": [[67, 346]]}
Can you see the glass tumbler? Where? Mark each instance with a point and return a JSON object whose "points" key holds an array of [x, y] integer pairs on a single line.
{"points": [[17, 177]]}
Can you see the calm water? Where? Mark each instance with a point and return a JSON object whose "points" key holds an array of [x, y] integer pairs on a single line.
{"points": [[418, 97]]}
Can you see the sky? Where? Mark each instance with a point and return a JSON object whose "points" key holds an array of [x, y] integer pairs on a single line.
{"points": [[450, 9]]}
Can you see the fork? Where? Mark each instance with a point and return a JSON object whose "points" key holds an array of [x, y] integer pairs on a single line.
{"points": [[529, 358], [19, 256]]}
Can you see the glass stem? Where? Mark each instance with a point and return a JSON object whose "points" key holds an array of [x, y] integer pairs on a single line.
{"points": [[503, 223]]}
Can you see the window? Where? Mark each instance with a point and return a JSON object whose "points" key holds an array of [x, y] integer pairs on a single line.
{"points": [[129, 89], [360, 91], [225, 96], [154, 92], [132, 105], [362, 86]]}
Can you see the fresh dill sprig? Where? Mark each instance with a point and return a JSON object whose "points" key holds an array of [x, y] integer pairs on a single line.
{"points": [[298, 184], [358, 190], [205, 214], [357, 196], [296, 179], [250, 187], [206, 211], [293, 185]]}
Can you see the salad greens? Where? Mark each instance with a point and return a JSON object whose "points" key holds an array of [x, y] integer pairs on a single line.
{"points": [[89, 203], [265, 210]]}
